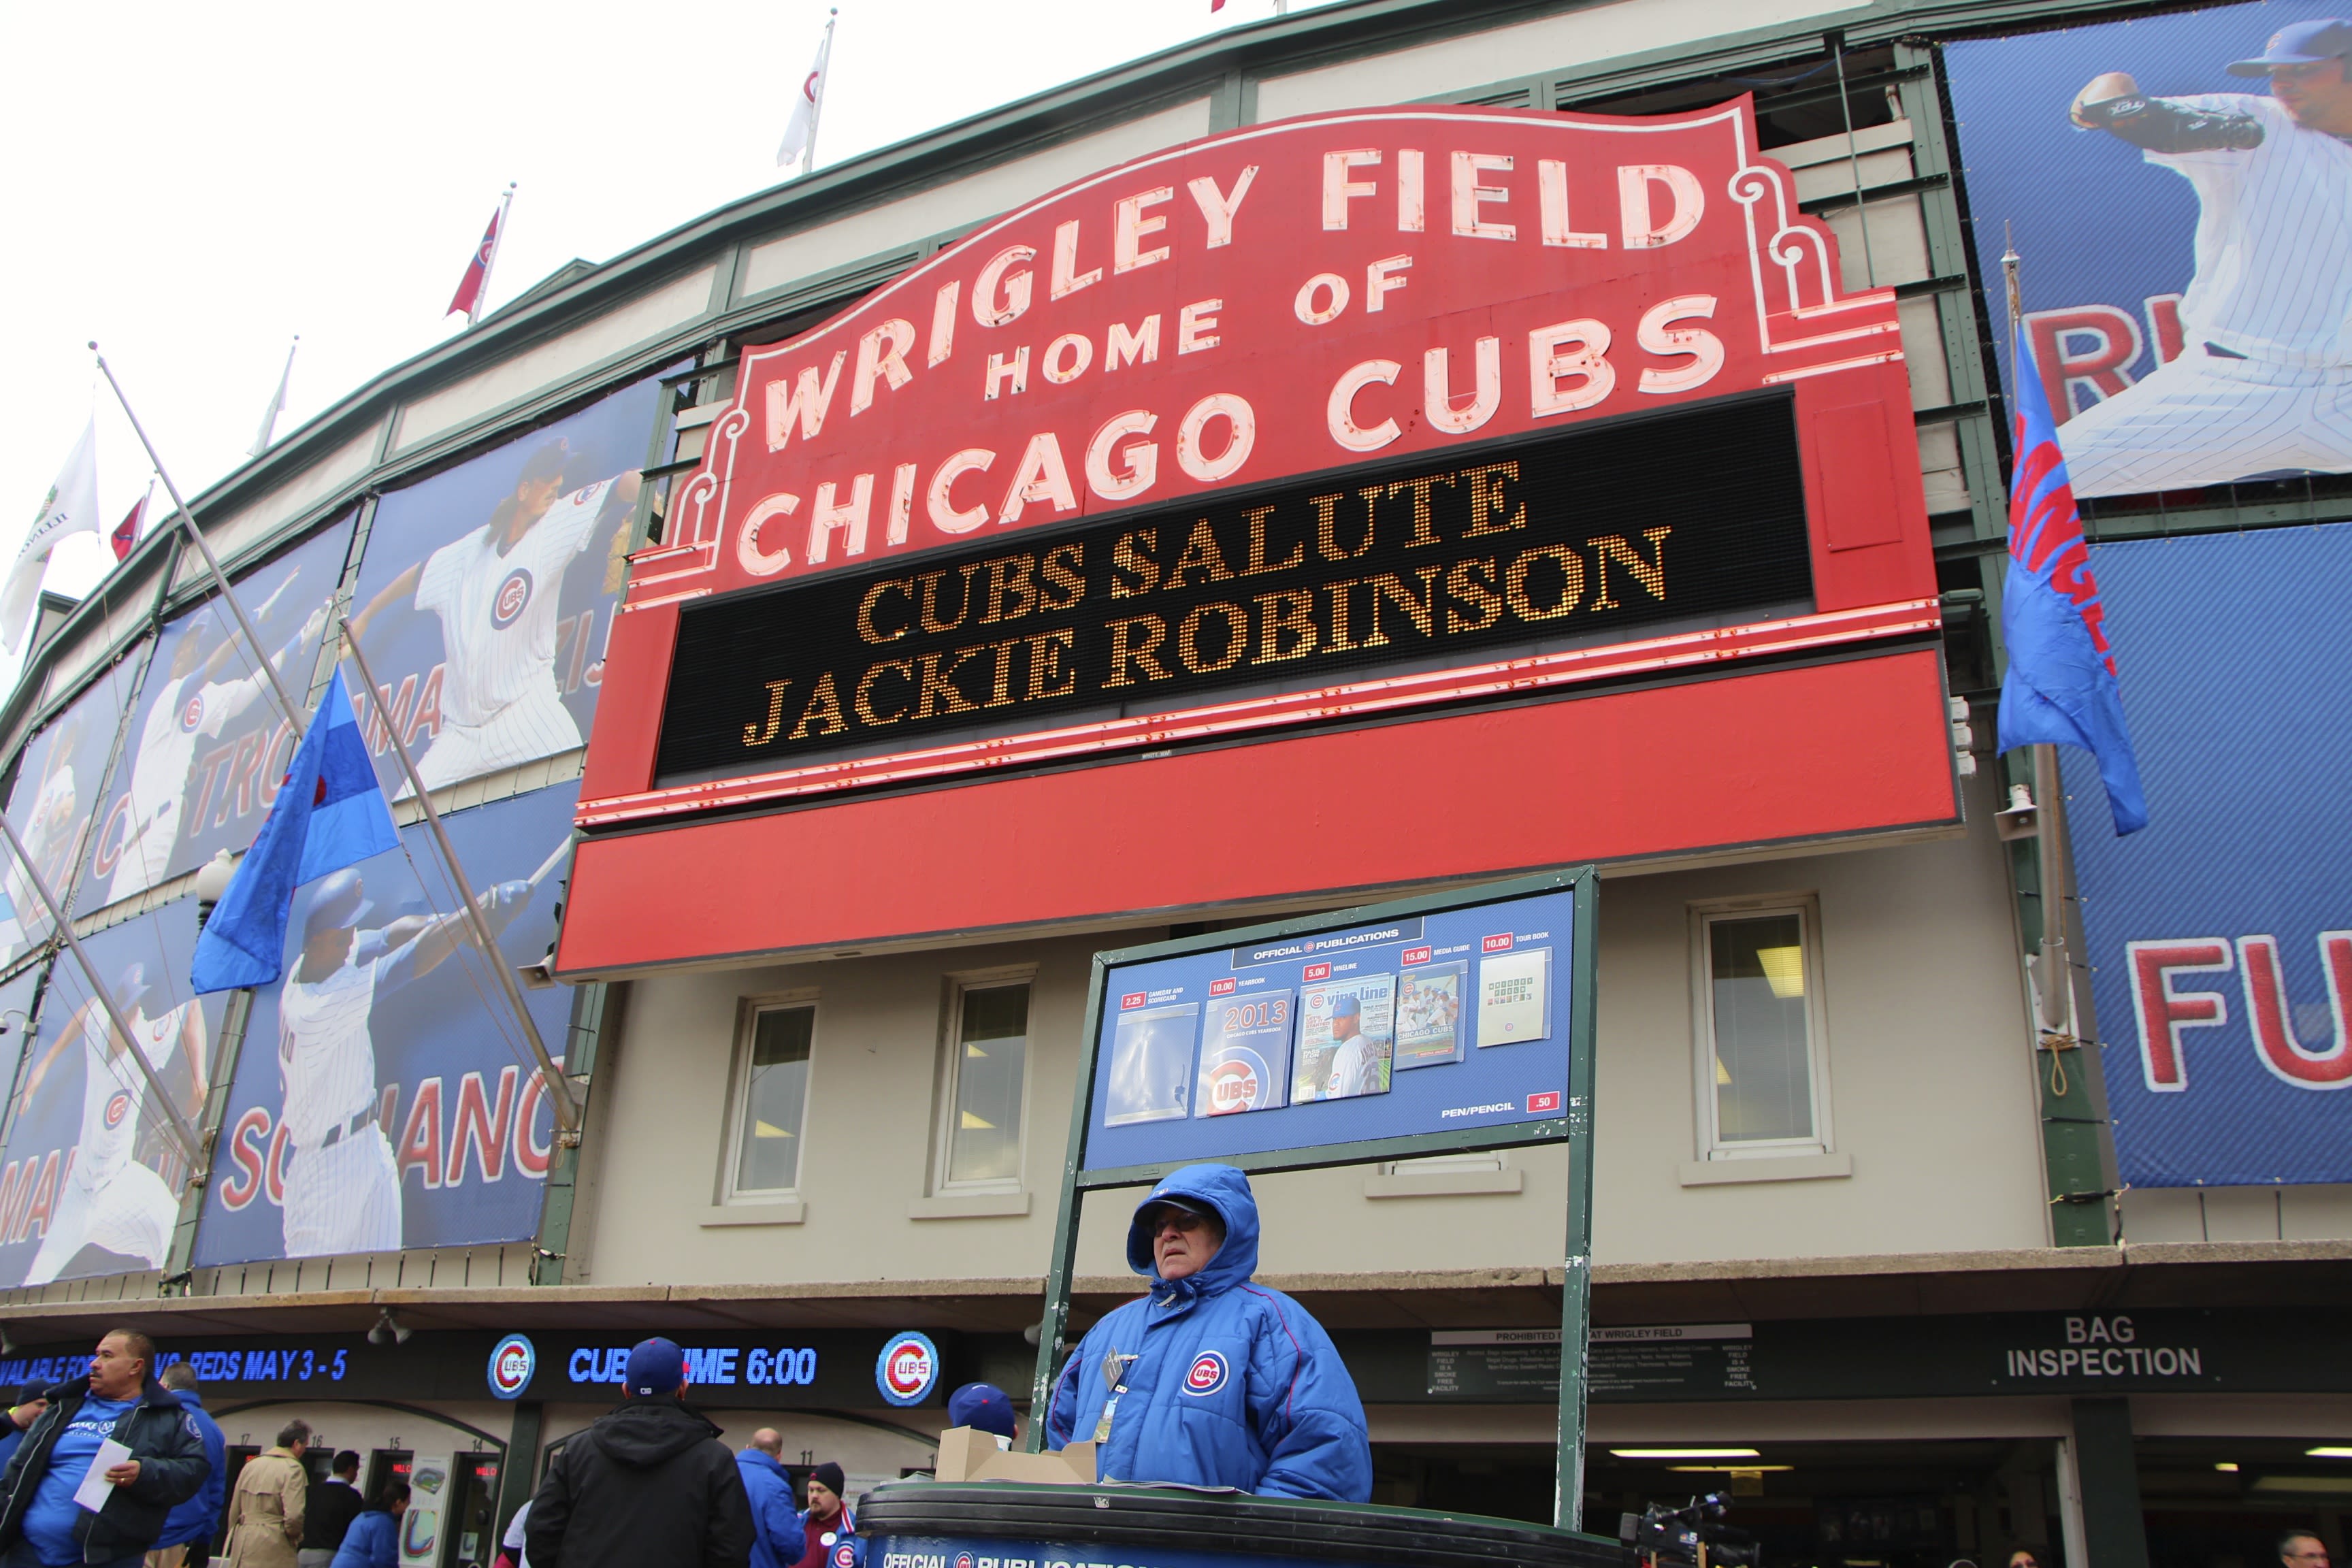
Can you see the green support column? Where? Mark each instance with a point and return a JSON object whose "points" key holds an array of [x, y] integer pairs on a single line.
{"points": [[2072, 1152], [521, 1476], [593, 1010], [2114, 1533]]}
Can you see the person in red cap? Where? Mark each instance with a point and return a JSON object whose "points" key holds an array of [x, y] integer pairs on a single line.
{"points": [[649, 1486]]}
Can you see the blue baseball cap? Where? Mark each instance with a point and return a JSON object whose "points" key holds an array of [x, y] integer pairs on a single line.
{"points": [[982, 1405], [2300, 44], [1344, 1004], [656, 1366], [338, 902]]}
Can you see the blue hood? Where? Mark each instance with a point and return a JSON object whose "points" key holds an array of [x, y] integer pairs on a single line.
{"points": [[1219, 1187]]}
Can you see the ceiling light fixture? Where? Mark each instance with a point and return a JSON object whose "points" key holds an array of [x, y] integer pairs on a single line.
{"points": [[1684, 1453]]}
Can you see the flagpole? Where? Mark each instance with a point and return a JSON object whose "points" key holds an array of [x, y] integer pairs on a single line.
{"points": [[180, 1132], [491, 262], [558, 1088], [286, 704], [2053, 978], [816, 110], [277, 402]]}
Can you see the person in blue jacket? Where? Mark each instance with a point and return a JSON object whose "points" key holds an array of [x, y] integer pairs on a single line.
{"points": [[776, 1538], [1211, 1380], [198, 1519], [373, 1538]]}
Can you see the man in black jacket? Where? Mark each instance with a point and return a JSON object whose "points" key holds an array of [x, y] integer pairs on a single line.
{"points": [[649, 1486], [41, 1526]]}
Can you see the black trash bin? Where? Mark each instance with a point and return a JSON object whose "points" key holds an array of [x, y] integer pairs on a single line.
{"points": [[1000, 1525]]}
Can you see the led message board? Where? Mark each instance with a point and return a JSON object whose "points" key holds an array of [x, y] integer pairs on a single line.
{"points": [[1542, 544], [1305, 310], [1325, 1042]]}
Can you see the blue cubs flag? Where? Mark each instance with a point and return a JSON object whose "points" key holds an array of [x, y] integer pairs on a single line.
{"points": [[2061, 685], [329, 813]]}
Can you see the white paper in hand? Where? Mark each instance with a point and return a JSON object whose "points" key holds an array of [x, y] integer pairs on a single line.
{"points": [[95, 1487]]}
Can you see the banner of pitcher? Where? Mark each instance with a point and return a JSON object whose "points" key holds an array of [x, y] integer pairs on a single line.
{"points": [[2180, 194], [483, 599]]}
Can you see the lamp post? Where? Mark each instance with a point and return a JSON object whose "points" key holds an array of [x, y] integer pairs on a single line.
{"points": [[212, 885]]}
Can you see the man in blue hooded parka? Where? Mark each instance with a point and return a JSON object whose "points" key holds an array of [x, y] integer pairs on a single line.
{"points": [[1209, 1380]]}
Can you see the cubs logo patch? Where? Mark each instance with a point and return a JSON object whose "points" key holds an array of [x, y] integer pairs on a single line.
{"points": [[845, 1556], [1206, 1374], [192, 713], [118, 1106], [513, 597]]}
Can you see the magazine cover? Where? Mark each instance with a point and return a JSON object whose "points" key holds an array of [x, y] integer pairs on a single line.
{"points": [[1347, 1030], [1244, 1054], [1429, 1014], [1151, 1064], [1515, 998]]}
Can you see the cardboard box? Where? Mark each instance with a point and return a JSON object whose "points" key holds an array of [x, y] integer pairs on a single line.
{"points": [[968, 1454]]}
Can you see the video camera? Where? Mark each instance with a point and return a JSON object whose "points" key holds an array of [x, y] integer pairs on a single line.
{"points": [[1691, 1536]]}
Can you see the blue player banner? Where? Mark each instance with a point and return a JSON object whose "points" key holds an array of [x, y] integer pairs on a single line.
{"points": [[60, 774], [2221, 937], [386, 1097], [207, 745], [91, 1179], [1433, 1018], [486, 594], [2180, 192]]}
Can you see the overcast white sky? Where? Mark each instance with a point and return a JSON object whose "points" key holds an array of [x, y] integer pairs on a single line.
{"points": [[194, 184]]}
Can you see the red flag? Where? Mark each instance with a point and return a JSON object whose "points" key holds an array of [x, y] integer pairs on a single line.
{"points": [[469, 296], [126, 532]]}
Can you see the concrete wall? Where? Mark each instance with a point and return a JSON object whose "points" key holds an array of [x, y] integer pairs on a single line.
{"points": [[1934, 1142]]}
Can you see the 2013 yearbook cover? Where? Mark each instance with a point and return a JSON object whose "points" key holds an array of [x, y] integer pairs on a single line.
{"points": [[1246, 1053]]}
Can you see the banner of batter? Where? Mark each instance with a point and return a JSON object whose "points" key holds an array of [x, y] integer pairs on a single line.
{"points": [[91, 1179], [53, 805], [207, 746], [383, 1096], [2179, 190], [486, 594]]}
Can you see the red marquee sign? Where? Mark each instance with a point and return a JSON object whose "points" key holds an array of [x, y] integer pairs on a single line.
{"points": [[1288, 301]]}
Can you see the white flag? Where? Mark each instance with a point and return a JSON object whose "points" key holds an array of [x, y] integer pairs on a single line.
{"points": [[277, 404], [69, 508], [799, 130]]}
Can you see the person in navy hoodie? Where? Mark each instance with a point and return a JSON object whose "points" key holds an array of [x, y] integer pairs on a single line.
{"points": [[198, 1519], [1210, 1379]]}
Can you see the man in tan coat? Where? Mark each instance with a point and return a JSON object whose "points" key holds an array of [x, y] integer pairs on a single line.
{"points": [[265, 1510]]}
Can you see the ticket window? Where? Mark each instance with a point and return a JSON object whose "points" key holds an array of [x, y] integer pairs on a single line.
{"points": [[384, 1465], [472, 1533]]}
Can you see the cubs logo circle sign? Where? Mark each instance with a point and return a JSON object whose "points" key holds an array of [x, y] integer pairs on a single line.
{"points": [[118, 1108], [191, 715], [513, 598], [1206, 1374], [512, 1360], [907, 1369]]}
